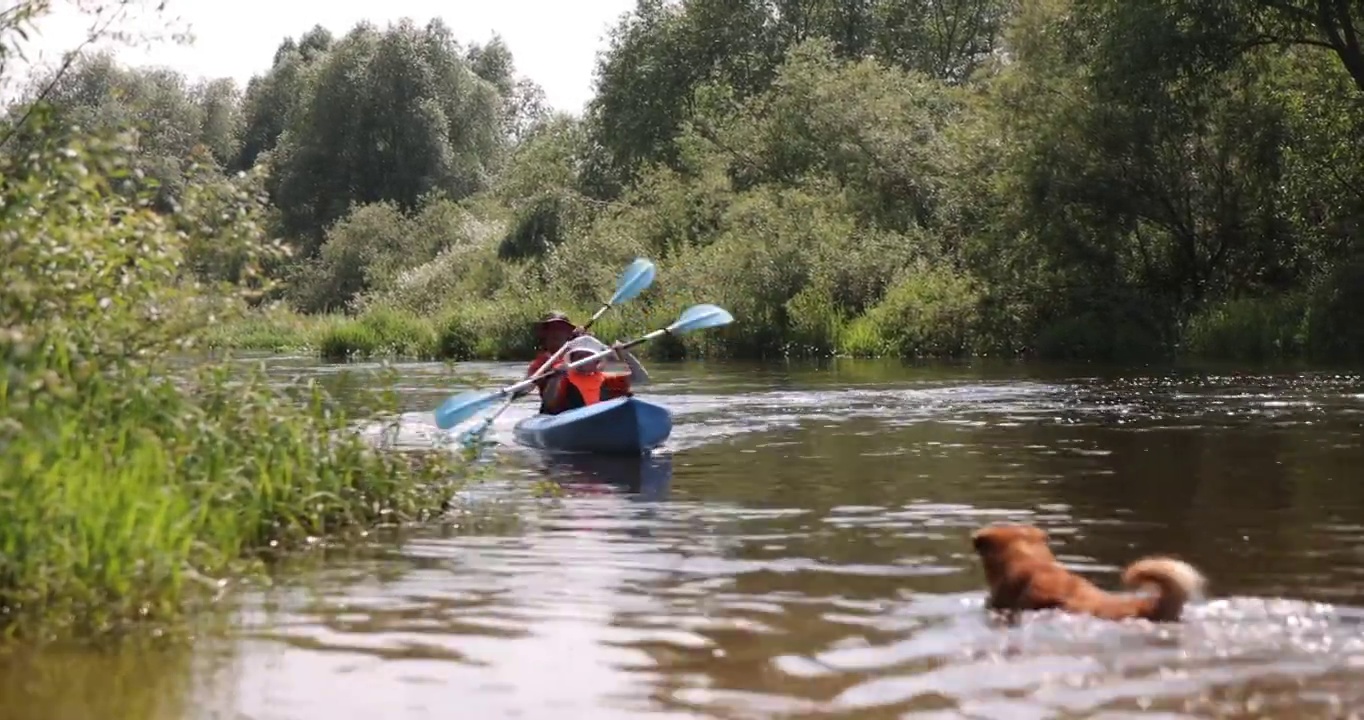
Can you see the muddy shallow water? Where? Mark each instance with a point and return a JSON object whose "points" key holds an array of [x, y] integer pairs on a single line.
{"points": [[800, 550]]}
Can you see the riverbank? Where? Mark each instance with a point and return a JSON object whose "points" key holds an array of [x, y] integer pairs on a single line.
{"points": [[1290, 328], [151, 495], [133, 489]]}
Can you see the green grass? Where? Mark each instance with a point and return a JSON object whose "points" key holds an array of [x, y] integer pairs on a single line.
{"points": [[924, 313], [927, 314], [486, 330], [129, 490], [1254, 329], [122, 505], [380, 332], [273, 330]]}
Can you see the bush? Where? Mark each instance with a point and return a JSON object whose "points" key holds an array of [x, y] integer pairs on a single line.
{"points": [[457, 274], [929, 312], [1334, 326], [497, 330], [382, 331], [1250, 329], [123, 482], [373, 247], [791, 265]]}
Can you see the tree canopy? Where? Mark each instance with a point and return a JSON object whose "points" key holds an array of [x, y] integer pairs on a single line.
{"points": [[1072, 178]]}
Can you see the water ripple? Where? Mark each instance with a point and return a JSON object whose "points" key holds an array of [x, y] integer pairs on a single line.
{"points": [[687, 619], [800, 549]]}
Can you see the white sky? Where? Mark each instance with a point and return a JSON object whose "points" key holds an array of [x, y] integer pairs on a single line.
{"points": [[554, 42]]}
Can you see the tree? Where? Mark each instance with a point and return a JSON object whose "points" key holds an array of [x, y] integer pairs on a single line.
{"points": [[663, 52], [272, 99], [392, 115], [176, 124], [523, 100], [221, 125]]}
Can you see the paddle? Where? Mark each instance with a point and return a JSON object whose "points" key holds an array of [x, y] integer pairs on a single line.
{"points": [[637, 277], [461, 407]]}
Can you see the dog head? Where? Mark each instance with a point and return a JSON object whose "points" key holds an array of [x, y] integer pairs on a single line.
{"points": [[994, 539], [999, 544]]}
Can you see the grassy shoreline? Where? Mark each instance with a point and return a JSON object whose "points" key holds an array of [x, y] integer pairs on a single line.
{"points": [[1278, 330], [112, 521], [132, 488]]}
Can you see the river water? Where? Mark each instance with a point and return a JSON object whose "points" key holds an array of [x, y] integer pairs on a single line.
{"points": [[800, 549]]}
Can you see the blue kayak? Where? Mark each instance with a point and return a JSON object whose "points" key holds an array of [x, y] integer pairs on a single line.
{"points": [[623, 426]]}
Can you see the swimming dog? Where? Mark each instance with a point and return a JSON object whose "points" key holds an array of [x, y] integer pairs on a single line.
{"points": [[1023, 574]]}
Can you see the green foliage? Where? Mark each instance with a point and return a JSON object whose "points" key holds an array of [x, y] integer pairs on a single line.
{"points": [[372, 247], [272, 328], [381, 331], [876, 131], [930, 312], [1250, 329], [1064, 178], [663, 52], [177, 125], [773, 246], [387, 116], [1334, 328], [272, 101], [126, 483], [499, 330], [522, 100], [541, 189]]}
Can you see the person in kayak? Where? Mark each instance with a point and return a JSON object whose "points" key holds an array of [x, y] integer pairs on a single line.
{"points": [[588, 384], [551, 334]]}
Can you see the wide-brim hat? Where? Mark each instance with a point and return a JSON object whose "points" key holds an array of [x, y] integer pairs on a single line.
{"points": [[554, 318]]}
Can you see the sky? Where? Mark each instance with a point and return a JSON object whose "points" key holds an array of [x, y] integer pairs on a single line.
{"points": [[554, 42]]}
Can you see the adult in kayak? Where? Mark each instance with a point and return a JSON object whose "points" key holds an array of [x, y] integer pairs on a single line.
{"points": [[589, 384], [550, 334]]}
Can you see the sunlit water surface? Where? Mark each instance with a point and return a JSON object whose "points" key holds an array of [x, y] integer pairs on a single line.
{"points": [[799, 549]]}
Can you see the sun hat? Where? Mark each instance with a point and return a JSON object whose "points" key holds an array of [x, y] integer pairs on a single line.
{"points": [[553, 317]]}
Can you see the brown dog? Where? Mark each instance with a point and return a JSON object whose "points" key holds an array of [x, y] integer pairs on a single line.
{"points": [[1024, 575]]}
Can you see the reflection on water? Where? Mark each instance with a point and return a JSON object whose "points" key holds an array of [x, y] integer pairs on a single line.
{"points": [[643, 478], [799, 550]]}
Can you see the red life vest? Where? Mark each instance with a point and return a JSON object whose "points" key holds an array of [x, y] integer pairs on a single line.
{"points": [[580, 390]]}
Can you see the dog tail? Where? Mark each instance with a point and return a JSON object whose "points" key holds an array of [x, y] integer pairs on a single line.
{"points": [[1176, 581]]}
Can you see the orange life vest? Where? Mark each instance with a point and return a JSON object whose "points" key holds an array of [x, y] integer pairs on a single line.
{"points": [[581, 390]]}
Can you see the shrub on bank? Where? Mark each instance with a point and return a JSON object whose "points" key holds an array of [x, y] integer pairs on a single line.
{"points": [[1254, 329], [275, 329], [382, 331], [124, 483], [1333, 325], [930, 312]]}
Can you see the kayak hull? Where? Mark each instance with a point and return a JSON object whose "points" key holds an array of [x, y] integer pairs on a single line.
{"points": [[623, 426]]}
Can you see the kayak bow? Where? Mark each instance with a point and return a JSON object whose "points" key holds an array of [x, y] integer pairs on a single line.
{"points": [[622, 426]]}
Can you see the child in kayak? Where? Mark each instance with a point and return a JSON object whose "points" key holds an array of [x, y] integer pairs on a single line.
{"points": [[588, 384]]}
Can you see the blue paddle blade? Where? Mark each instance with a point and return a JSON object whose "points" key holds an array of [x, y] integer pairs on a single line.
{"points": [[638, 276], [701, 317], [463, 406]]}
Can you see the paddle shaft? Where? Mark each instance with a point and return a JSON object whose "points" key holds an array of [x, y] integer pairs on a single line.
{"points": [[544, 370], [524, 384], [600, 311], [697, 317], [547, 368], [541, 372]]}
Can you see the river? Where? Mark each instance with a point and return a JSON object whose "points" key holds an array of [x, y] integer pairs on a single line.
{"points": [[800, 549]]}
